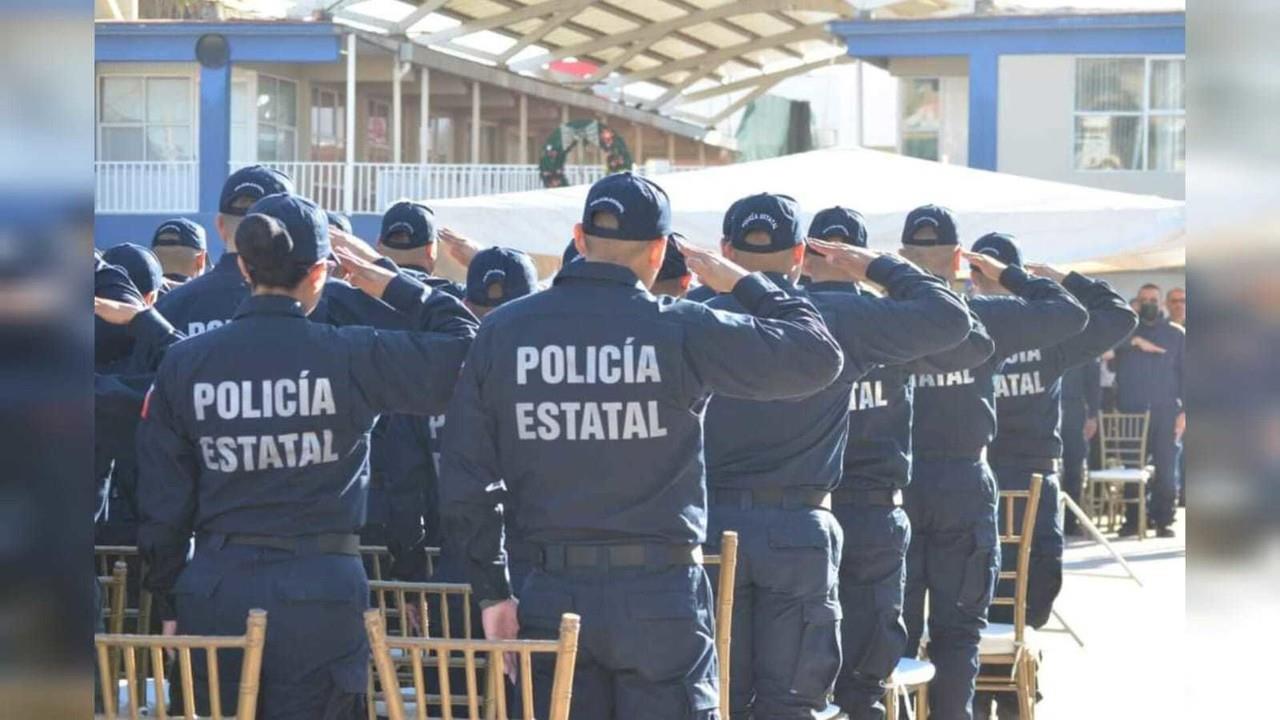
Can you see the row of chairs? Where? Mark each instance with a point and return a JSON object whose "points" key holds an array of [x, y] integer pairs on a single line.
{"points": [[1123, 478]]}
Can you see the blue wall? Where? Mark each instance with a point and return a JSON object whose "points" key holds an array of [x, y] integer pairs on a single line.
{"points": [[984, 39]]}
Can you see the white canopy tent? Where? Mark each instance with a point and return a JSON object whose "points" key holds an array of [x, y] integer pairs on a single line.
{"points": [[1083, 228]]}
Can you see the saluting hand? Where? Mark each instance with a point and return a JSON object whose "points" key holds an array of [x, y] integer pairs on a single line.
{"points": [[461, 248], [353, 245], [1146, 345], [362, 273], [1045, 270], [714, 270], [116, 312], [849, 259], [985, 264]]}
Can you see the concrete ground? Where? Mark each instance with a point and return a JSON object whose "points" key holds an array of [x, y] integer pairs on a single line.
{"points": [[1132, 662]]}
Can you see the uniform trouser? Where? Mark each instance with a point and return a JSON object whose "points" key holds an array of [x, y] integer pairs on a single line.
{"points": [[646, 648], [954, 555], [786, 614], [1075, 450], [872, 574], [1044, 575], [316, 657], [1162, 491]]}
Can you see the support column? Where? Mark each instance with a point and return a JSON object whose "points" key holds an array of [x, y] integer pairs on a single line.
{"points": [[671, 148], [397, 108], [702, 153], [349, 170], [637, 147], [475, 122], [524, 128], [984, 79], [215, 134], [861, 135], [424, 115]]}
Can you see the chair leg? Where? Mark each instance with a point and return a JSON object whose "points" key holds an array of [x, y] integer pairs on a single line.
{"points": [[922, 702], [1024, 706], [891, 702], [1142, 513]]}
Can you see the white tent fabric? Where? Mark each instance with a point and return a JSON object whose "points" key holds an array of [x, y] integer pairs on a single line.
{"points": [[1072, 225]]}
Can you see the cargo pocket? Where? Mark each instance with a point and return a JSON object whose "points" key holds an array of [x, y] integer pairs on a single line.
{"points": [[889, 637], [819, 659], [804, 561], [674, 635], [980, 572]]}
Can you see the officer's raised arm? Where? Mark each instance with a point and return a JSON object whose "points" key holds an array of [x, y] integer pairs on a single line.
{"points": [[976, 348], [1110, 317], [1040, 312]]}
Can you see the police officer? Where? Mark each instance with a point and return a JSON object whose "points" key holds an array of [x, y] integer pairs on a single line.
{"points": [[772, 465], [211, 300], [703, 293], [580, 404], [340, 221], [409, 238], [674, 277], [496, 276], [181, 248], [1148, 369], [867, 504], [263, 455], [143, 268], [951, 501], [1081, 403]]}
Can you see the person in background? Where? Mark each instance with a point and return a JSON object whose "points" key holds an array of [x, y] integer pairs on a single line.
{"points": [[181, 248], [674, 277], [496, 276], [1081, 404], [1175, 303], [142, 266], [409, 237]]}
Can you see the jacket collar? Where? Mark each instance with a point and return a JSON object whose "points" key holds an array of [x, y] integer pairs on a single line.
{"points": [[598, 272], [270, 305]]}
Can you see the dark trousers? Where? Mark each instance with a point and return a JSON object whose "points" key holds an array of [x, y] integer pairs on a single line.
{"points": [[872, 576], [954, 555], [786, 614], [1044, 575], [646, 648], [1162, 490], [1075, 451], [316, 658]]}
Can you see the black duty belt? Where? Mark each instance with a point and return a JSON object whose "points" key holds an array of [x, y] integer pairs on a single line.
{"points": [[882, 497], [323, 544], [788, 498], [603, 557]]}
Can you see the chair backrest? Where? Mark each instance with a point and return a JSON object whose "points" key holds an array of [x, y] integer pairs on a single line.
{"points": [[106, 557], [425, 652], [1017, 531], [156, 645], [392, 598], [727, 560], [113, 597], [1123, 437], [377, 558]]}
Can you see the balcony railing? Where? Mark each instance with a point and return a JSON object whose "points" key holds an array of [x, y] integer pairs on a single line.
{"points": [[147, 187]]}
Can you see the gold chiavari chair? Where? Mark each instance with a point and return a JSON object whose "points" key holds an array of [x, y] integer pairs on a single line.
{"points": [[727, 562], [1123, 437]]}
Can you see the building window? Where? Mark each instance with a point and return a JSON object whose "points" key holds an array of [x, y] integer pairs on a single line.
{"points": [[1130, 114], [328, 124], [921, 117], [277, 119], [143, 118], [378, 132]]}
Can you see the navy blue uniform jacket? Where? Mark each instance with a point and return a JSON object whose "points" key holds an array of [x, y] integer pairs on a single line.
{"points": [[1151, 380], [582, 402]]}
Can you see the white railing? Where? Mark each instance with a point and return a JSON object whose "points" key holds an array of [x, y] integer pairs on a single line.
{"points": [[147, 187]]}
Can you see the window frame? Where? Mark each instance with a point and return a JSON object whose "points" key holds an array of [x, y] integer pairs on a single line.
{"points": [[902, 106], [338, 139], [1144, 115], [259, 123], [192, 103]]}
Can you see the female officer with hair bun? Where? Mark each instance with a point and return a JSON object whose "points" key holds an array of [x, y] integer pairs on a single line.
{"points": [[254, 438]]}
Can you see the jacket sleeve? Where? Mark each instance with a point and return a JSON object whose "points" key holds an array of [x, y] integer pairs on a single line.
{"points": [[975, 349], [919, 316], [1040, 314], [152, 336], [168, 467], [1110, 321], [471, 484], [781, 350], [428, 308]]}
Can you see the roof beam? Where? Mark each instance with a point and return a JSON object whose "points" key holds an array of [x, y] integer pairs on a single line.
{"points": [[741, 102], [426, 8], [671, 94], [732, 52], [524, 12], [738, 29], [551, 23], [757, 79], [652, 32]]}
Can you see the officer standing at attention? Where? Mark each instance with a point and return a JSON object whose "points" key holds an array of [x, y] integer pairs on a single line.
{"points": [[578, 410], [211, 300], [951, 501], [867, 504], [771, 466], [496, 276], [181, 247], [1081, 403], [409, 238], [263, 455], [1148, 369], [703, 293]]}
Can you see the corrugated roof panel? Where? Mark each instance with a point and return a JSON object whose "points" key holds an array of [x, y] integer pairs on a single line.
{"points": [[653, 9], [562, 36], [760, 23], [675, 47], [603, 20], [717, 35]]}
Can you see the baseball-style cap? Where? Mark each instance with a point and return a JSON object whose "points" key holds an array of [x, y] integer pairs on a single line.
{"points": [[179, 232], [673, 263], [777, 215], [305, 222], [416, 220], [726, 225], [497, 275], [640, 205], [251, 184], [340, 221], [935, 216], [1001, 246], [139, 263], [848, 225]]}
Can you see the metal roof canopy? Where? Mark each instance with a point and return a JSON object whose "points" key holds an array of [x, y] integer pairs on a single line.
{"points": [[706, 47]]}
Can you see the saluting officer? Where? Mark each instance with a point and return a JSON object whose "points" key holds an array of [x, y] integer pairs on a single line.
{"points": [[951, 501], [263, 455], [181, 247], [409, 237], [578, 411], [703, 293], [771, 465]]}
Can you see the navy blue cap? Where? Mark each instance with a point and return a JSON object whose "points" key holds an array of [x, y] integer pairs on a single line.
{"points": [[640, 205], [139, 263], [499, 274], [840, 221], [306, 223], [777, 215], [340, 221], [1000, 246], [415, 219], [570, 254], [673, 263], [179, 232], [254, 182], [940, 218], [726, 225]]}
